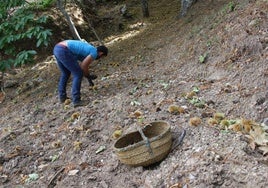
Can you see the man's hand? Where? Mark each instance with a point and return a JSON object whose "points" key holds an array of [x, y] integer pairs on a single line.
{"points": [[91, 77]]}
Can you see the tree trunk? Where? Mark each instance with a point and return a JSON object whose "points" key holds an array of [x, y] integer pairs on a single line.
{"points": [[145, 9], [2, 82], [69, 20]]}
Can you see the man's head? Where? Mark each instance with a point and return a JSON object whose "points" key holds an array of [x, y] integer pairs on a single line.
{"points": [[102, 51]]}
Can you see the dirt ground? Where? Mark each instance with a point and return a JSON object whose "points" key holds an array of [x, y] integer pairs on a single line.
{"points": [[211, 63]]}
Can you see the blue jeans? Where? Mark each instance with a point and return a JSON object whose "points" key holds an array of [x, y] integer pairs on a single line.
{"points": [[68, 65]]}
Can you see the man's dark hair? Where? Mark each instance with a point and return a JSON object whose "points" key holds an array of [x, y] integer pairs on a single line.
{"points": [[103, 49]]}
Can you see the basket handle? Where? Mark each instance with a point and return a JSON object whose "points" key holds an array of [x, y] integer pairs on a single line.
{"points": [[179, 140], [148, 145]]}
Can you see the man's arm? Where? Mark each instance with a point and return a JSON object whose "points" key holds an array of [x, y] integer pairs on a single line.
{"points": [[85, 65]]}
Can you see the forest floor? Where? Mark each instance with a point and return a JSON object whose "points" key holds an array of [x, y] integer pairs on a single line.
{"points": [[211, 64]]}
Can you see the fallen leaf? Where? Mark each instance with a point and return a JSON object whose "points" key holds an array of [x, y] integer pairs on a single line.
{"points": [[135, 103], [32, 177], [77, 145], [264, 149], [42, 166], [237, 127], [54, 158], [84, 165], [197, 102], [259, 136], [73, 172], [69, 167], [100, 149], [196, 89], [252, 144], [2, 97]]}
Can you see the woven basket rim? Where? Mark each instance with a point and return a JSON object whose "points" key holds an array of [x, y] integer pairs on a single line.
{"points": [[142, 142]]}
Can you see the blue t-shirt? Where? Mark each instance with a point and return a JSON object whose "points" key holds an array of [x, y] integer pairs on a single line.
{"points": [[81, 49]]}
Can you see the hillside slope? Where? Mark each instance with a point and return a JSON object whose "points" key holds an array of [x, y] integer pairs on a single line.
{"points": [[219, 51]]}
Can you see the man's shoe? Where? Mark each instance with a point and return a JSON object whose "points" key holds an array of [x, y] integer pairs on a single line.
{"points": [[80, 103]]}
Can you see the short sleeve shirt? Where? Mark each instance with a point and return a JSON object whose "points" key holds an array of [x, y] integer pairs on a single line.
{"points": [[81, 49]]}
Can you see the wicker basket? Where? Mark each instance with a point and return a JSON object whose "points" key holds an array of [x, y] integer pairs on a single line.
{"points": [[145, 147]]}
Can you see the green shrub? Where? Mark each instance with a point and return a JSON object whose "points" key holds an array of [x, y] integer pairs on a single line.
{"points": [[19, 26]]}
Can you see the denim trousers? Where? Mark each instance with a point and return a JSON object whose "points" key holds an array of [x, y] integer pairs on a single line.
{"points": [[68, 65]]}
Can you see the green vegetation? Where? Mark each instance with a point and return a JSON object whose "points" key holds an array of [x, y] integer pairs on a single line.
{"points": [[41, 4], [202, 58], [230, 7], [19, 27]]}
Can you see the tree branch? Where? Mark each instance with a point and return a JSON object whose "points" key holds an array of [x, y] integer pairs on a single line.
{"points": [[69, 20], [88, 21]]}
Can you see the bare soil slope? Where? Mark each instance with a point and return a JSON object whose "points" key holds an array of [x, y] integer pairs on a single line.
{"points": [[213, 61]]}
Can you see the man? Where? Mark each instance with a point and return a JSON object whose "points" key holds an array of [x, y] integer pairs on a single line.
{"points": [[74, 57]]}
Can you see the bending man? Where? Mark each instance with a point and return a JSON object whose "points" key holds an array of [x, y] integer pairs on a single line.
{"points": [[68, 53]]}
